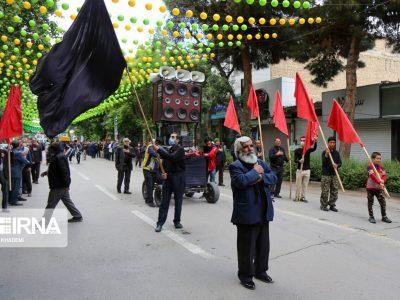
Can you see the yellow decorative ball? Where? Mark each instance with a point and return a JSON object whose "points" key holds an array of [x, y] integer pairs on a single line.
{"points": [[249, 37], [128, 27], [115, 25], [164, 32], [29, 45], [26, 5], [302, 21], [240, 20], [4, 38], [216, 17], [58, 13], [230, 37], [115, 1], [266, 36], [24, 60], [203, 16], [188, 35], [199, 36], [189, 13], [274, 35], [10, 1], [140, 29], [151, 31], [239, 37], [282, 21], [131, 3], [149, 6], [318, 20], [258, 36], [43, 9], [175, 34], [17, 42], [262, 21], [220, 37], [228, 19], [292, 21], [209, 36], [272, 22], [163, 8], [252, 21], [176, 11], [310, 20]]}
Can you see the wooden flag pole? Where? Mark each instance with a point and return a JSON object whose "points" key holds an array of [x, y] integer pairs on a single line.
{"points": [[143, 115], [9, 168], [330, 156], [375, 170], [261, 138], [290, 168]]}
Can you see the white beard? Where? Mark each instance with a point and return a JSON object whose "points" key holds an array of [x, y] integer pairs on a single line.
{"points": [[249, 158]]}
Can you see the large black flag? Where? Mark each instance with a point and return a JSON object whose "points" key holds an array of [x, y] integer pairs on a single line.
{"points": [[79, 72]]}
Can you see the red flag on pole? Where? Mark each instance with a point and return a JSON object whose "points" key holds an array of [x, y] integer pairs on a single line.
{"points": [[11, 121], [305, 107], [279, 115], [252, 103], [339, 122], [231, 119], [311, 135]]}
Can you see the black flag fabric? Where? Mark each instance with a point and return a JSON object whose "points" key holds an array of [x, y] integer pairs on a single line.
{"points": [[79, 72]]}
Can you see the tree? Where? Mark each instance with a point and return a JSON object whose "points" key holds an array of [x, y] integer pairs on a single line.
{"points": [[352, 27]]}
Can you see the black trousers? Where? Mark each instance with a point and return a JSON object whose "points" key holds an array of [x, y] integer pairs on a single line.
{"points": [[26, 180], [252, 250], [277, 187], [381, 199], [124, 176], [220, 170], [78, 157], [55, 195], [175, 183], [4, 190], [149, 179], [35, 170]]}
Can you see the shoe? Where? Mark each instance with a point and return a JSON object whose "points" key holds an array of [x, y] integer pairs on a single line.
{"points": [[278, 196], [75, 219], [324, 208], [265, 278], [221, 184], [29, 195], [127, 192], [119, 191], [16, 204], [386, 220], [5, 210], [303, 200], [21, 199], [158, 228], [248, 284], [151, 204], [332, 208], [178, 225], [372, 220]]}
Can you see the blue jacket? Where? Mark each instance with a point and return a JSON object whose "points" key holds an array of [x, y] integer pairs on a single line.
{"points": [[246, 208], [18, 162]]}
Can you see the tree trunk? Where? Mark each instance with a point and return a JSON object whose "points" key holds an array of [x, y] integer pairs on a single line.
{"points": [[247, 82], [351, 87]]}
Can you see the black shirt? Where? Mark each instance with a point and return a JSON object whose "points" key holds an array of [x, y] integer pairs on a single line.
{"points": [[173, 159], [277, 161], [298, 154], [327, 168]]}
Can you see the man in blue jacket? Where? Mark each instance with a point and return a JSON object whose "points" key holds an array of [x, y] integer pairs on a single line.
{"points": [[252, 211], [18, 162]]}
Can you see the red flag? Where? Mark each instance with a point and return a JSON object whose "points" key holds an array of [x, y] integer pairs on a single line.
{"points": [[252, 103], [339, 122], [311, 135], [305, 108], [231, 119], [279, 115], [11, 121]]}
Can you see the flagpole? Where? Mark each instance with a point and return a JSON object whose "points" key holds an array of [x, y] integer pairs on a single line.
{"points": [[290, 167], [375, 170], [261, 137], [301, 171], [9, 167], [143, 114], [330, 156]]}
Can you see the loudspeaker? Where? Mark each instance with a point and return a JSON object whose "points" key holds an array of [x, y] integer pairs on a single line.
{"points": [[175, 101]]}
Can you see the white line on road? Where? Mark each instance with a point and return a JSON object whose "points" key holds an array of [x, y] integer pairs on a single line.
{"points": [[339, 226], [83, 175], [173, 236], [106, 192]]}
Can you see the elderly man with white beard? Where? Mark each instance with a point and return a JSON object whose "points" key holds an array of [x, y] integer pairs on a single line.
{"points": [[252, 212]]}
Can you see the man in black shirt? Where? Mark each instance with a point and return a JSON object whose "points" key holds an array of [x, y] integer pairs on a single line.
{"points": [[123, 163], [277, 158], [329, 181], [36, 159], [174, 180], [303, 172]]}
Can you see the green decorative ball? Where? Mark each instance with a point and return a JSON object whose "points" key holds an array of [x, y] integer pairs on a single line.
{"points": [[65, 6], [306, 5], [133, 20], [296, 4], [274, 3], [263, 2], [285, 3]]}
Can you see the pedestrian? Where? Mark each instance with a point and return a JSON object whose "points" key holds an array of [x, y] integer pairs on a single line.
{"points": [[329, 181], [138, 153], [59, 177], [303, 172], [220, 162], [259, 150], [375, 187], [210, 152], [124, 166], [150, 167], [4, 179], [277, 159], [36, 156], [174, 180], [18, 162], [78, 149], [252, 211], [26, 172]]}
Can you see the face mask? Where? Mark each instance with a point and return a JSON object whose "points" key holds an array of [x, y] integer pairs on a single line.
{"points": [[171, 141]]}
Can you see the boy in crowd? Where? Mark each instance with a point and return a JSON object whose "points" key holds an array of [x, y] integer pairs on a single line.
{"points": [[375, 187]]}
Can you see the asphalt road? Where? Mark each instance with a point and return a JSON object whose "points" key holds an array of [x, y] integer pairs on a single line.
{"points": [[115, 253]]}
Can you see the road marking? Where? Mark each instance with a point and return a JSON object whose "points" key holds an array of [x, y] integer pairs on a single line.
{"points": [[346, 227], [106, 192], [83, 175], [173, 236]]}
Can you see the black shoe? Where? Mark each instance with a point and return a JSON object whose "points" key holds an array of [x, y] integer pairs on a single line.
{"points": [[127, 192], [372, 220], [332, 208], [119, 191], [158, 228], [303, 200], [386, 220], [324, 208], [75, 219], [29, 195], [221, 184], [21, 199], [248, 284], [178, 225], [278, 196], [16, 204], [265, 278], [151, 204]]}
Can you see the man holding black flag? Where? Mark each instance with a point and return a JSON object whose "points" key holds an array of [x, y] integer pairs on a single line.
{"points": [[174, 165]]}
